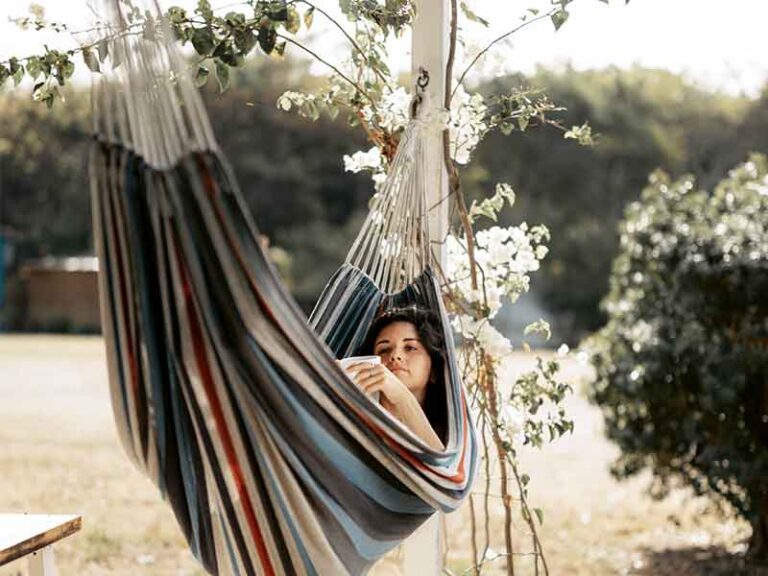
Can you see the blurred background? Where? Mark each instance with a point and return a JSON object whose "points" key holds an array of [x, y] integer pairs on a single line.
{"points": [[684, 118]]}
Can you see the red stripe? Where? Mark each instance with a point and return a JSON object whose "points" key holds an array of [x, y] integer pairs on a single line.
{"points": [[211, 189], [133, 366], [218, 413], [457, 477]]}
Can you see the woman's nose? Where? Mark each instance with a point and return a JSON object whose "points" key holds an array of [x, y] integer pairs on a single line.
{"points": [[396, 356]]}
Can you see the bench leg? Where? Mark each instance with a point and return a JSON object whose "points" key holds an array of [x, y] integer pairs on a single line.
{"points": [[41, 563]]}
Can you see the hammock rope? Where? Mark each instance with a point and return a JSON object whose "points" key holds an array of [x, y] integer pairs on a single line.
{"points": [[273, 461]]}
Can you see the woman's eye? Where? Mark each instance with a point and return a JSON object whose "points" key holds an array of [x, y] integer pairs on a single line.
{"points": [[411, 348]]}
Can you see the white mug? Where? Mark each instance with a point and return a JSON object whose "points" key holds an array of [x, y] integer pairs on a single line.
{"points": [[347, 362], [371, 360]]}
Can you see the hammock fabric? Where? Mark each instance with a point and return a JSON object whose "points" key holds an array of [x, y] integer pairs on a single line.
{"points": [[273, 461]]}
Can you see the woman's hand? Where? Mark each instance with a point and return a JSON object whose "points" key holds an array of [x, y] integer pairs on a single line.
{"points": [[396, 399], [377, 378]]}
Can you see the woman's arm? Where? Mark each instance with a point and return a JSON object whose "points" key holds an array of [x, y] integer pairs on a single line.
{"points": [[396, 399], [410, 413]]}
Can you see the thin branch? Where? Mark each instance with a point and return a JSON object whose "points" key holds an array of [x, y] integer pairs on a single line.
{"points": [[351, 40], [453, 174], [531, 522], [485, 50], [329, 65]]}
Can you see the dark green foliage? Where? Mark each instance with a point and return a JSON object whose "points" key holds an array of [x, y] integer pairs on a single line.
{"points": [[643, 119], [292, 173], [290, 170], [43, 176], [682, 364]]}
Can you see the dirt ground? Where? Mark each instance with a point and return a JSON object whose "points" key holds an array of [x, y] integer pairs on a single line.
{"points": [[59, 453]]}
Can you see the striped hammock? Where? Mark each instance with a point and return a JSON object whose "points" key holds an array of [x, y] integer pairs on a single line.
{"points": [[273, 461]]}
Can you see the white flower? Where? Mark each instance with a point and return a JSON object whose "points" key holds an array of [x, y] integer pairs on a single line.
{"points": [[467, 123], [493, 341], [394, 109], [513, 420], [563, 350], [359, 161], [291, 98], [493, 235]]}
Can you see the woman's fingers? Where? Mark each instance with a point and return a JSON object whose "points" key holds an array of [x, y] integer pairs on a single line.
{"points": [[366, 372], [374, 387], [360, 367]]}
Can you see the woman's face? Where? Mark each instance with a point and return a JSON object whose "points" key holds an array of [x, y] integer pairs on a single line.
{"points": [[402, 352]]}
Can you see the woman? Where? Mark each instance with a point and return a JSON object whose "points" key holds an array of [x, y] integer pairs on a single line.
{"points": [[410, 377]]}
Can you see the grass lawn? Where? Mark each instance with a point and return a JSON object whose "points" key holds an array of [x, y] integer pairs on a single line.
{"points": [[59, 453]]}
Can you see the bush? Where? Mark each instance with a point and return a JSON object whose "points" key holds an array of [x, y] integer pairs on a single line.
{"points": [[682, 364]]}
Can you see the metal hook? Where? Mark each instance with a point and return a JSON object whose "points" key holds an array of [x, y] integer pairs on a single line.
{"points": [[423, 80]]}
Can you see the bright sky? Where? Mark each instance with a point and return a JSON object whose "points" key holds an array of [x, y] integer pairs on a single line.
{"points": [[717, 43]]}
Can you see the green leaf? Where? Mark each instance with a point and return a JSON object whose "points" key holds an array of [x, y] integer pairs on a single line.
{"points": [[91, 60], [559, 18], [267, 38], [204, 10], [309, 17], [472, 16], [293, 23], [539, 327], [522, 122], [176, 15], [222, 76], [245, 40], [485, 208], [277, 10], [524, 479], [204, 41], [505, 192], [280, 48], [507, 128], [66, 69], [232, 59], [16, 70], [222, 48], [34, 68], [539, 514], [4, 74], [235, 20], [201, 76]]}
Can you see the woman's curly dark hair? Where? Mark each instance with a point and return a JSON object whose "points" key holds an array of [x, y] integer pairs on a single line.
{"points": [[430, 333]]}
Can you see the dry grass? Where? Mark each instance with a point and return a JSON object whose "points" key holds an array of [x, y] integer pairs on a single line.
{"points": [[59, 453]]}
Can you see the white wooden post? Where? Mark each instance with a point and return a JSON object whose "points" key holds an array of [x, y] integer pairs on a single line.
{"points": [[429, 50]]}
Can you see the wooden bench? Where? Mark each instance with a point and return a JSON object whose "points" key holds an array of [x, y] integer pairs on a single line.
{"points": [[32, 535]]}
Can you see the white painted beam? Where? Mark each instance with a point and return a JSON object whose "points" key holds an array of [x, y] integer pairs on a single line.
{"points": [[429, 49]]}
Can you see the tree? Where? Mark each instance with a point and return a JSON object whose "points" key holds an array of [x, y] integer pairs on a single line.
{"points": [[43, 159], [643, 119], [682, 365]]}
